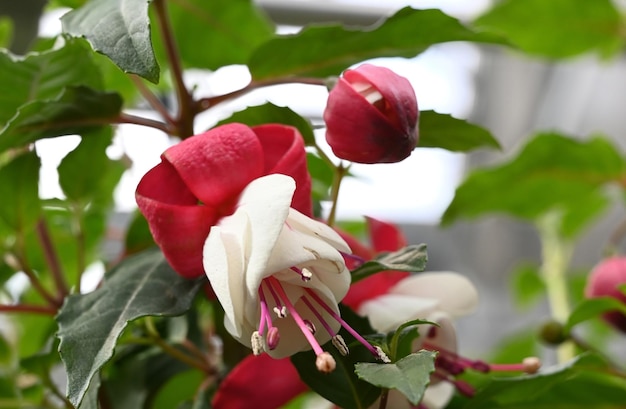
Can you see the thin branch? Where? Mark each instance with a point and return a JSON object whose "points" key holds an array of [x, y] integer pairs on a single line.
{"points": [[28, 309], [34, 281], [209, 102], [340, 172], [124, 118], [152, 99], [51, 258], [185, 100]]}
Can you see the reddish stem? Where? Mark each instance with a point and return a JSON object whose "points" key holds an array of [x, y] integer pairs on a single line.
{"points": [[28, 309]]}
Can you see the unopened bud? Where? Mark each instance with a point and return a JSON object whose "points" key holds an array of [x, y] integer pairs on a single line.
{"points": [[325, 362], [553, 333], [272, 338], [531, 364]]}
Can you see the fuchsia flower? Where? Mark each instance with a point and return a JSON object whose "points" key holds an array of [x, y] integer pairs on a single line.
{"points": [[371, 116], [199, 181], [604, 281]]}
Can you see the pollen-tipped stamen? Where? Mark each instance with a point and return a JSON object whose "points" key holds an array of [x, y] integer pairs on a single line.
{"points": [[305, 275], [279, 309], [377, 352], [337, 339]]}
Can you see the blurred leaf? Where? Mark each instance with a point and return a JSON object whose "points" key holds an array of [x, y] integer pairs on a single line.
{"points": [[90, 324], [6, 31], [516, 347], [341, 386], [178, 388], [270, 113], [119, 29], [412, 258], [212, 34], [321, 176], [138, 236], [557, 28], [592, 308], [527, 285], [19, 189], [320, 51], [552, 172], [584, 382], [42, 76], [77, 110], [446, 132], [410, 375]]}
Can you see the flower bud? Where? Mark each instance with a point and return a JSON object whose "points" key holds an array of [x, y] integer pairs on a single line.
{"points": [[605, 280], [371, 116]]}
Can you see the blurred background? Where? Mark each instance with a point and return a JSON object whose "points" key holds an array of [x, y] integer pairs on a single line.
{"points": [[511, 95]]}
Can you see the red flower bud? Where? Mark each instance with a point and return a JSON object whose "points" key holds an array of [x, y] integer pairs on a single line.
{"points": [[604, 281], [200, 179], [371, 116]]}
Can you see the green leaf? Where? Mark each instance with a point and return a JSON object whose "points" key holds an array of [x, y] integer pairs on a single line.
{"points": [[270, 113], [401, 343], [527, 285], [119, 29], [43, 76], [6, 32], [89, 325], [321, 176], [321, 51], [584, 382], [82, 171], [551, 173], [19, 180], [557, 28], [412, 259], [592, 308], [212, 34], [446, 132], [410, 375], [138, 236], [77, 110]]}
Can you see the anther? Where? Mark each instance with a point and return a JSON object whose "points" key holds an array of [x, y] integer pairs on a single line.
{"points": [[256, 342], [325, 362], [281, 311], [531, 364], [382, 355], [272, 338], [305, 275], [310, 326], [340, 344]]}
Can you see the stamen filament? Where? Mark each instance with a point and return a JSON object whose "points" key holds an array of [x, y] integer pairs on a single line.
{"points": [[296, 317], [266, 318], [279, 309], [353, 257], [343, 323], [319, 317]]}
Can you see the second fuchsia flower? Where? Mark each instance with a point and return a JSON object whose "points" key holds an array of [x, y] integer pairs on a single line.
{"points": [[371, 116], [605, 281]]}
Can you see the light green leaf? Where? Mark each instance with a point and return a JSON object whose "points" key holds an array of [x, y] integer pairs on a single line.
{"points": [[19, 179], [119, 29], [270, 113], [592, 308], [410, 375], [322, 51], [6, 32], [43, 76], [557, 28], [412, 258], [90, 324], [527, 285], [551, 173], [77, 110], [446, 132]]}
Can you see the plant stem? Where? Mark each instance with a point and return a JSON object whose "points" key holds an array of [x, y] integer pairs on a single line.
{"points": [[556, 254], [340, 172], [383, 399], [206, 103], [186, 113], [34, 281], [80, 246], [28, 309], [51, 258], [152, 99], [124, 118]]}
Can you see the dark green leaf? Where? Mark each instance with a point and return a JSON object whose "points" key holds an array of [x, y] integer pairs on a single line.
{"points": [[557, 28], [592, 308], [138, 236], [446, 132], [412, 259], [6, 32], [551, 173], [582, 383], [401, 343], [89, 325], [270, 113], [410, 375], [44, 76], [119, 29], [212, 34], [77, 110], [91, 396], [322, 51], [526, 285], [19, 179]]}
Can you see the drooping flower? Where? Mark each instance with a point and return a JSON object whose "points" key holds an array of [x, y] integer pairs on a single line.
{"points": [[371, 116], [279, 274], [199, 181], [605, 281]]}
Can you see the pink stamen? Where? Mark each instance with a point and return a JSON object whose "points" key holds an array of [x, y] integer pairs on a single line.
{"points": [[319, 317], [357, 261], [344, 324], [266, 317], [279, 309], [296, 317]]}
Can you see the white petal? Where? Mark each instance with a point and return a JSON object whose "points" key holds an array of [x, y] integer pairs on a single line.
{"points": [[455, 293], [318, 229], [389, 311], [437, 396], [444, 335]]}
